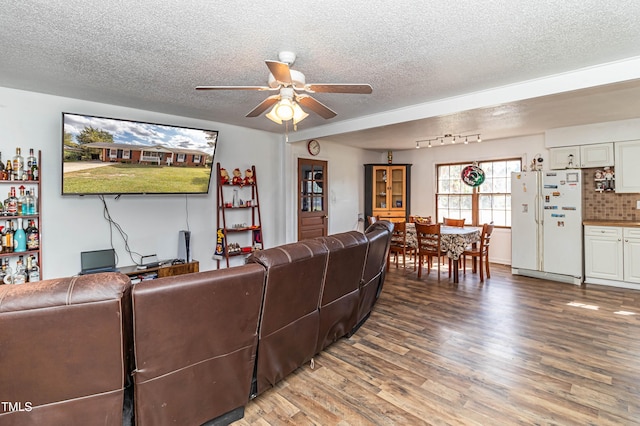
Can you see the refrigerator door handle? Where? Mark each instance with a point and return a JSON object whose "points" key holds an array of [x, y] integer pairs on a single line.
{"points": [[537, 209]]}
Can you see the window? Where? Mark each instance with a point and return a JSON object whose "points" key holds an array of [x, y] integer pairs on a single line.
{"points": [[196, 159], [490, 202]]}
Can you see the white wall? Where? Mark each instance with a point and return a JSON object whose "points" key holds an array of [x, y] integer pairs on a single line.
{"points": [[346, 184], [424, 183], [72, 224]]}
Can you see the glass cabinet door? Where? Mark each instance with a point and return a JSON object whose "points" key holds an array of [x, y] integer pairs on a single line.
{"points": [[397, 196], [380, 188]]}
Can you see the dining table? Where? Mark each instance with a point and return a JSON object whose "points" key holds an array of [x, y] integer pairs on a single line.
{"points": [[453, 241]]}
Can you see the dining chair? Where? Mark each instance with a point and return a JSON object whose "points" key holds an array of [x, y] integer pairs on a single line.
{"points": [[453, 222], [420, 219], [372, 219], [399, 245], [480, 252], [429, 245]]}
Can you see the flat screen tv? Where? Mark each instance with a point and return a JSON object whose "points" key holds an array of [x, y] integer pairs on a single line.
{"points": [[103, 156]]}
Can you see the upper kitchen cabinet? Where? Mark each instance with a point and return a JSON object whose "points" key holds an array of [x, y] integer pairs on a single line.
{"points": [[581, 156], [596, 155], [627, 158], [566, 157]]}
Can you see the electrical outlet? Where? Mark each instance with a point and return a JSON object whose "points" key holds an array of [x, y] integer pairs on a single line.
{"points": [[361, 216]]}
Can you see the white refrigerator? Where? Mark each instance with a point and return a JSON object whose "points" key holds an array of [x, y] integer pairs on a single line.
{"points": [[546, 225]]}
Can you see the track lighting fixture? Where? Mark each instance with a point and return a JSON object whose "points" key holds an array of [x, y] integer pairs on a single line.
{"points": [[449, 137]]}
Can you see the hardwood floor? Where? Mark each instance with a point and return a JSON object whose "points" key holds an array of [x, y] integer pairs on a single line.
{"points": [[513, 350]]}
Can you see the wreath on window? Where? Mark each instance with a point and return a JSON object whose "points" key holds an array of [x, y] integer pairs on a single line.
{"points": [[472, 175]]}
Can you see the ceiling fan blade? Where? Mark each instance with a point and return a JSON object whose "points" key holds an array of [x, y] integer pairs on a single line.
{"points": [[263, 106], [316, 106], [339, 88], [280, 71], [234, 88]]}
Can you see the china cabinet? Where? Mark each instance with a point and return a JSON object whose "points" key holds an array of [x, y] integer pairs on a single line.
{"points": [[387, 191]]}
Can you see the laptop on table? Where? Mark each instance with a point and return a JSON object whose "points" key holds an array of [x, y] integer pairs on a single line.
{"points": [[92, 262]]}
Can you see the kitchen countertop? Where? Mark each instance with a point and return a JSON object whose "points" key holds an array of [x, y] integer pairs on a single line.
{"points": [[626, 223]]}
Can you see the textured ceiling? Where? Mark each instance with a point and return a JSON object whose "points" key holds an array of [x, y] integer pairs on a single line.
{"points": [[151, 54]]}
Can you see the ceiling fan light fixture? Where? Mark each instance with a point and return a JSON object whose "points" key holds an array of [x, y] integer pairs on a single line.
{"points": [[298, 113], [271, 115], [284, 109]]}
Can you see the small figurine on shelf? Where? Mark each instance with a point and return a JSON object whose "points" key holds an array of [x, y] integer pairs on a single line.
{"points": [[248, 177], [599, 174], [237, 177], [608, 179], [224, 176]]}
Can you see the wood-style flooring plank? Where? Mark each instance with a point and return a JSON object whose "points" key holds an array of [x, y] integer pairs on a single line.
{"points": [[511, 350]]}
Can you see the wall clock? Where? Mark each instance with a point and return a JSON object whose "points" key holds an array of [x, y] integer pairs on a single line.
{"points": [[313, 146]]}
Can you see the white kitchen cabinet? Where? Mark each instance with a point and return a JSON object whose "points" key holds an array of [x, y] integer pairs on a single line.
{"points": [[596, 155], [566, 157], [603, 253], [631, 254], [627, 159]]}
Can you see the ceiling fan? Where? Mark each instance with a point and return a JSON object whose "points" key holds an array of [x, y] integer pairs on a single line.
{"points": [[292, 92]]}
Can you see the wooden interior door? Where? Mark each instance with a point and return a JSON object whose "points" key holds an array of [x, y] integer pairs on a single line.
{"points": [[312, 198]]}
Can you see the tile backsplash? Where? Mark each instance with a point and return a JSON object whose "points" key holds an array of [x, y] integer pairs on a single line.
{"points": [[606, 205]]}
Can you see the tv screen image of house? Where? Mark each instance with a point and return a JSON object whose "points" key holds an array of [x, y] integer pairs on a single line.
{"points": [[103, 156]]}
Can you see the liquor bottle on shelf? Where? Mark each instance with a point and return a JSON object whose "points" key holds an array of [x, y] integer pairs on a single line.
{"points": [[7, 238], [11, 203], [20, 277], [34, 272], [19, 238], [28, 268], [35, 172], [22, 202], [3, 234], [32, 166], [3, 270], [29, 206], [33, 236], [8, 278], [18, 165], [33, 208], [1, 164], [31, 158], [9, 170]]}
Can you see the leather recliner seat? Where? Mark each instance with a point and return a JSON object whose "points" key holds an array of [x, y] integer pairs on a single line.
{"points": [[378, 236], [290, 319], [64, 355], [340, 292], [195, 340]]}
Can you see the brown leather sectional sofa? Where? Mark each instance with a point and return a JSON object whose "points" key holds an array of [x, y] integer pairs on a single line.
{"points": [[189, 350]]}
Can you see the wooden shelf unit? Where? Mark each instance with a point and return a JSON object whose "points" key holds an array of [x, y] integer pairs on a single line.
{"points": [[226, 212], [5, 186]]}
